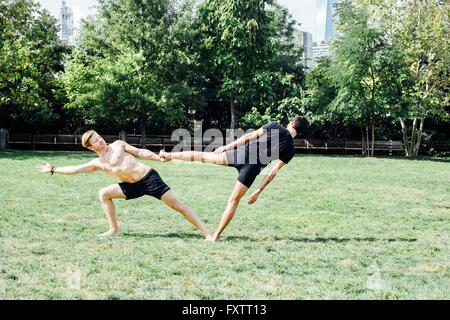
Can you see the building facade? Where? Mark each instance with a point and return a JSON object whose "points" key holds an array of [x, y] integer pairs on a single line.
{"points": [[329, 24], [66, 23], [305, 39], [326, 34], [318, 51]]}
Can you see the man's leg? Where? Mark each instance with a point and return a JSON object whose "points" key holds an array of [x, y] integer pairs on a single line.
{"points": [[169, 199], [208, 157], [233, 202], [106, 195]]}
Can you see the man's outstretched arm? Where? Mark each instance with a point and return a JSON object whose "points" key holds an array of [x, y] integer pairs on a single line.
{"points": [[267, 179], [141, 153], [242, 140], [91, 166]]}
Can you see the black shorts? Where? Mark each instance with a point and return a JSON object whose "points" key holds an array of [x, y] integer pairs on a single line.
{"points": [[151, 185], [247, 172]]}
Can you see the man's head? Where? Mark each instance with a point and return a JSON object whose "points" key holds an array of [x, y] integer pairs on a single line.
{"points": [[93, 141], [299, 124]]}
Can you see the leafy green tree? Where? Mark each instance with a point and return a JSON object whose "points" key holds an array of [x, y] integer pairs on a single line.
{"points": [[130, 66], [318, 101], [31, 58], [237, 45], [420, 30], [276, 91], [362, 67]]}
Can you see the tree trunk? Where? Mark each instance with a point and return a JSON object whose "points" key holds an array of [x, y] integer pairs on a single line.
{"points": [[419, 138], [373, 138], [367, 141], [405, 137], [413, 137], [412, 146], [143, 133], [4, 138], [363, 145], [232, 113]]}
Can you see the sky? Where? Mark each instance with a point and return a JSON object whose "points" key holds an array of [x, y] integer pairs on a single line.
{"points": [[309, 13], [81, 8]]}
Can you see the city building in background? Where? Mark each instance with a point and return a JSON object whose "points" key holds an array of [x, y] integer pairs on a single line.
{"points": [[305, 39], [320, 50], [326, 34], [325, 29], [329, 24], [66, 24]]}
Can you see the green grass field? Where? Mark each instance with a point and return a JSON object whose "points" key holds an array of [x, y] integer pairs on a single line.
{"points": [[326, 228]]}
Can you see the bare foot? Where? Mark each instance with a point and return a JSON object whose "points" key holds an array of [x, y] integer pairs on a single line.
{"points": [[216, 237], [110, 233], [209, 238]]}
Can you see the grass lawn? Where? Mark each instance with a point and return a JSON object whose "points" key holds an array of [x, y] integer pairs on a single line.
{"points": [[326, 228]]}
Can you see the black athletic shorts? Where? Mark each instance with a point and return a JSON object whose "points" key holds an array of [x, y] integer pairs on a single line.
{"points": [[247, 172], [151, 185]]}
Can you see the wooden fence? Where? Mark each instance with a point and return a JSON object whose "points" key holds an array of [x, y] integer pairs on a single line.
{"points": [[31, 141]]}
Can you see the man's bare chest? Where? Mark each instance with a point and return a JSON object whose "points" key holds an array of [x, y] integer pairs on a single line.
{"points": [[116, 159]]}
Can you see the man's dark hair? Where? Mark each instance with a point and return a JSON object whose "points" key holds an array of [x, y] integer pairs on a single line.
{"points": [[300, 124]]}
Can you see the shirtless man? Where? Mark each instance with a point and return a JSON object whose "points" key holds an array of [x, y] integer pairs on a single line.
{"points": [[118, 160], [243, 155]]}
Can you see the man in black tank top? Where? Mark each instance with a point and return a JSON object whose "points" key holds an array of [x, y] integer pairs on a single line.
{"points": [[249, 154]]}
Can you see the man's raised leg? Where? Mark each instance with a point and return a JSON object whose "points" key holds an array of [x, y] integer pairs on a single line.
{"points": [[238, 192], [207, 157], [106, 195], [169, 199]]}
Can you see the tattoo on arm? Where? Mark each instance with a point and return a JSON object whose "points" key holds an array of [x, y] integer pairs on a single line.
{"points": [[272, 174], [267, 179]]}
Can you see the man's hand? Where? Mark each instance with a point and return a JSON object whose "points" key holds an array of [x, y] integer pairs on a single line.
{"points": [[164, 156], [220, 150], [44, 167], [252, 199]]}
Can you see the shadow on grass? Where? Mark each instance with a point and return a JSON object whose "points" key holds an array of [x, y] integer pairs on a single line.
{"points": [[250, 239], [345, 240], [181, 235], [26, 155], [418, 159], [322, 240]]}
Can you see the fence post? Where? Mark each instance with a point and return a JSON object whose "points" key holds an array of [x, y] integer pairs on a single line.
{"points": [[123, 135], [4, 138]]}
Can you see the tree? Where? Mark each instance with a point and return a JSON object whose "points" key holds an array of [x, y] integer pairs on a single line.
{"points": [[31, 58], [130, 66], [237, 44], [317, 99], [363, 64], [420, 30], [275, 91]]}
